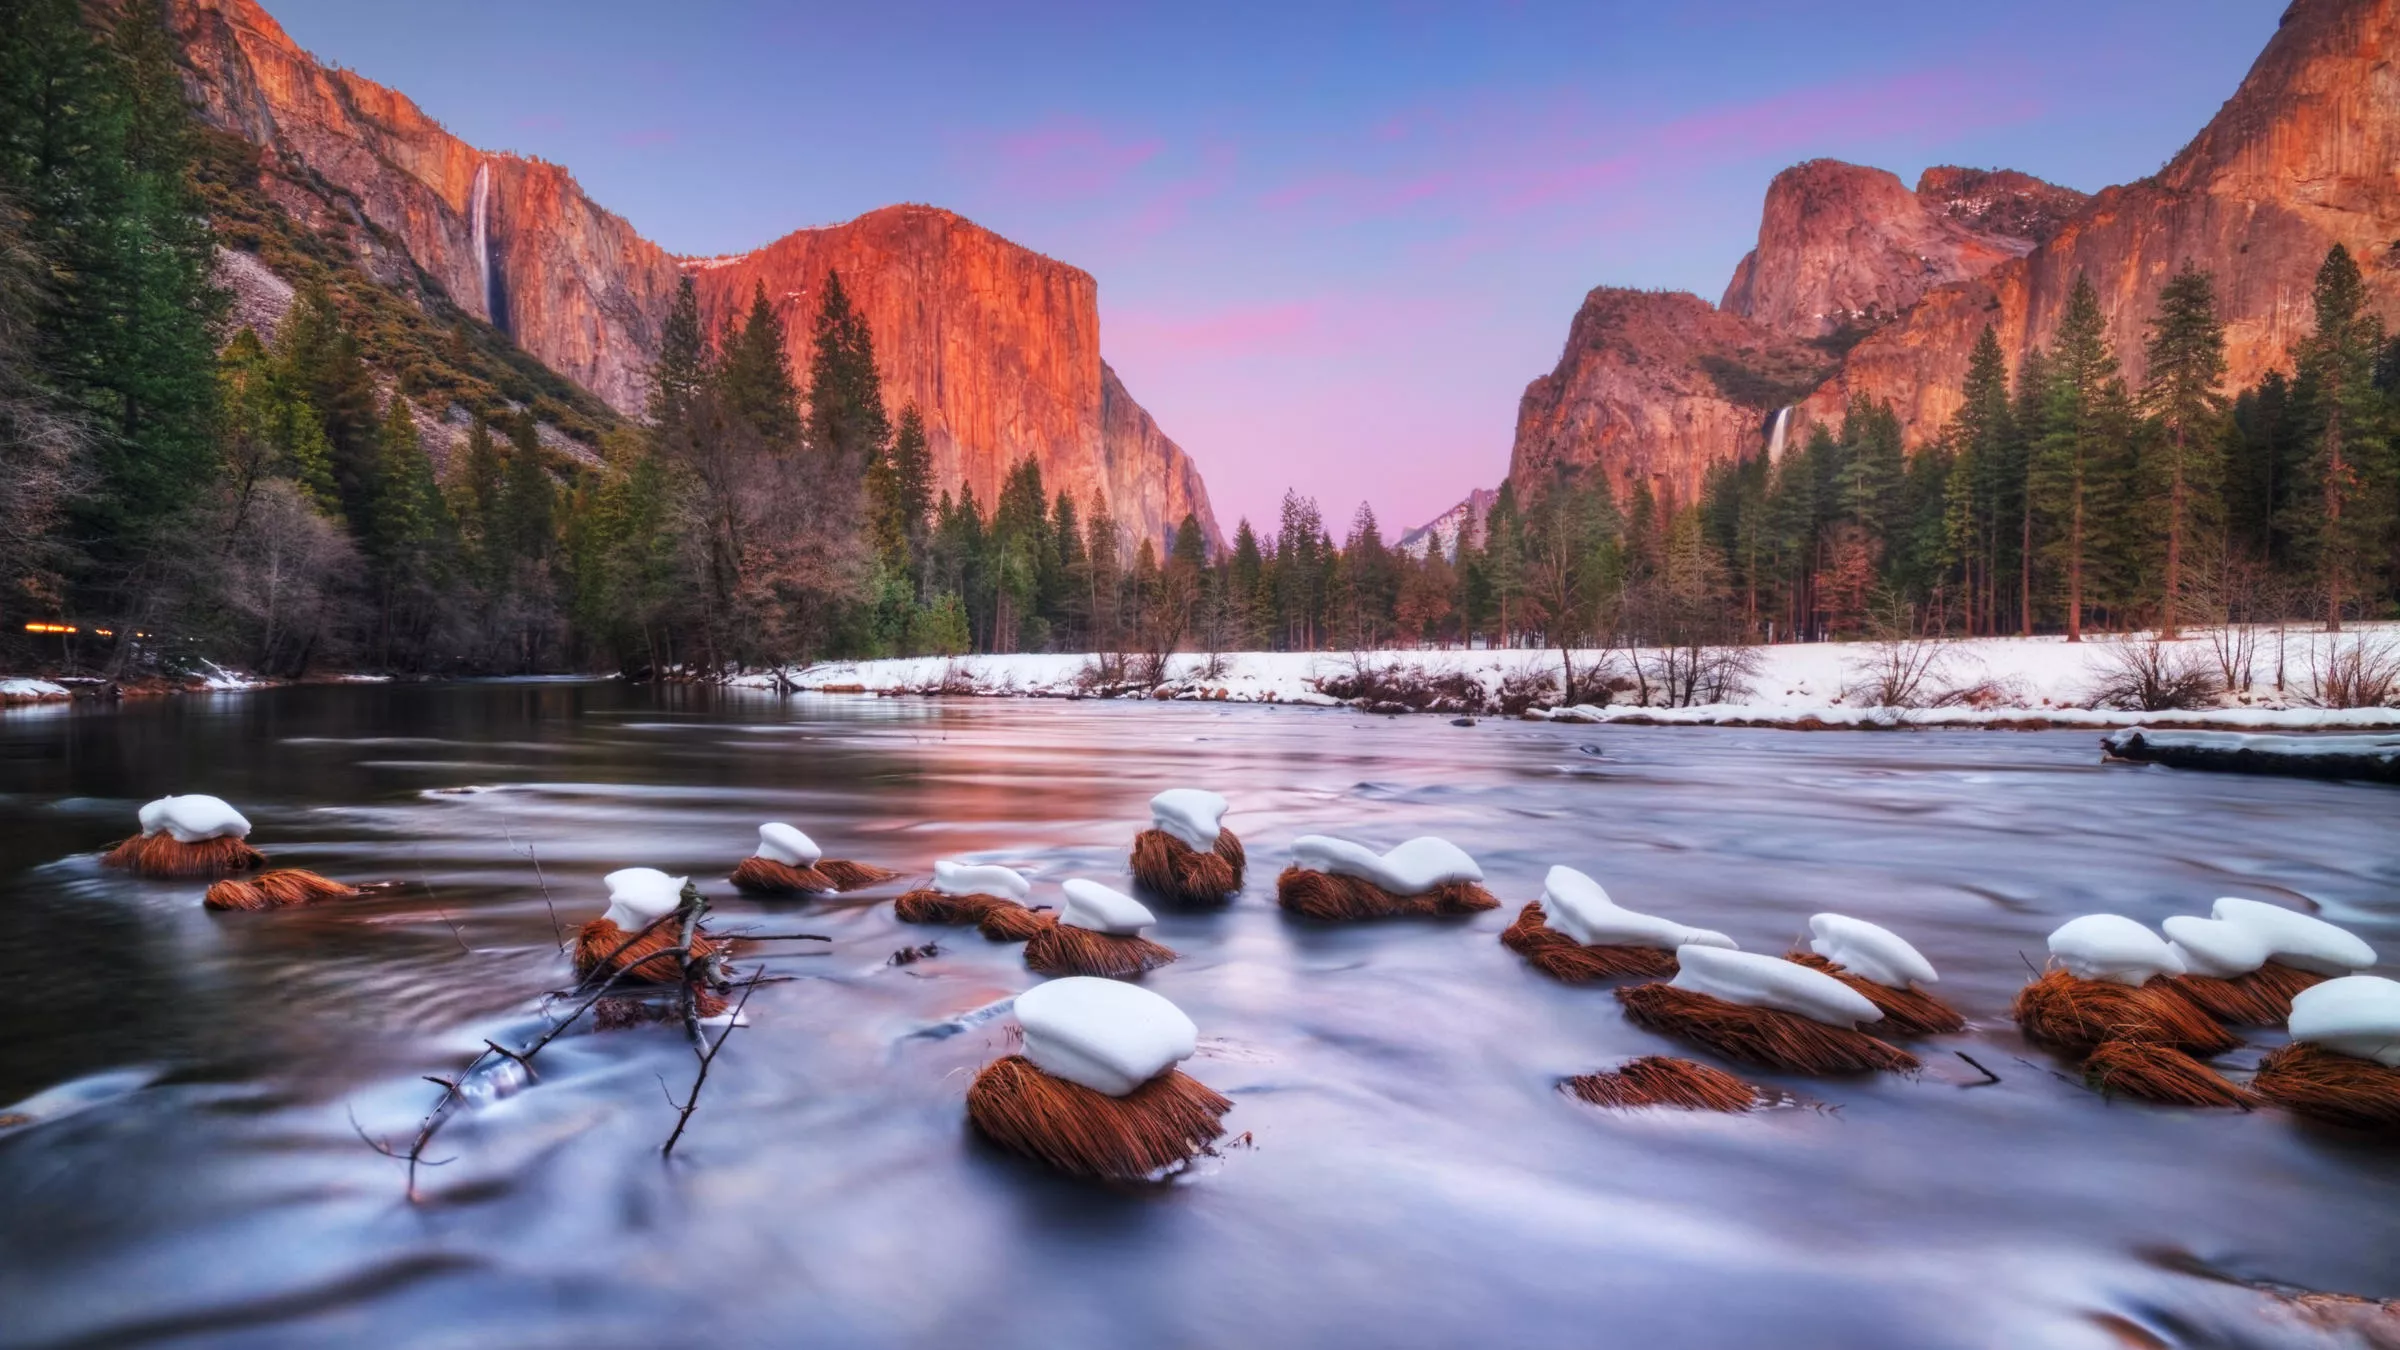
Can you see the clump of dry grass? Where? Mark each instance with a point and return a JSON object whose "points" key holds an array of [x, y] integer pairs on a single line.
{"points": [[1906, 1012], [654, 957], [2160, 1073], [765, 876], [927, 905], [2261, 998], [2075, 1015], [1335, 899], [1014, 922], [273, 890], [1063, 949], [164, 856], [1562, 958], [1763, 1036], [1167, 866], [1661, 1080], [1162, 1124], [2312, 1081]]}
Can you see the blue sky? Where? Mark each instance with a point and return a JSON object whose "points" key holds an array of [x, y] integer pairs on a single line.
{"points": [[1333, 241]]}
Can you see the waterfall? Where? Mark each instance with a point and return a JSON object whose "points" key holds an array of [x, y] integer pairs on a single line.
{"points": [[479, 214], [1783, 415]]}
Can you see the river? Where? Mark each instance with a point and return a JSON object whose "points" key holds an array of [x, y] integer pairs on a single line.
{"points": [[1403, 1171]]}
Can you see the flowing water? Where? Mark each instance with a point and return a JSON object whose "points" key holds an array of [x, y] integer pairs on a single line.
{"points": [[1404, 1172]]}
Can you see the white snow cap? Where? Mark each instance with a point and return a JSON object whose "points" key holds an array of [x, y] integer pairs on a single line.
{"points": [[1190, 814], [1869, 951], [2217, 947], [1103, 909], [1757, 981], [2296, 939], [1583, 911], [954, 878], [194, 818], [778, 842], [639, 896], [1110, 1036], [2114, 948], [1412, 868], [2354, 1015]]}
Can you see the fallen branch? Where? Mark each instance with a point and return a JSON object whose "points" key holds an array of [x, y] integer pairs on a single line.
{"points": [[700, 1080]]}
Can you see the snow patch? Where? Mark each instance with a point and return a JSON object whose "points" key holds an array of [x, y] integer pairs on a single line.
{"points": [[1192, 815], [640, 896], [1869, 951], [1103, 909], [1107, 1035], [1412, 868], [2354, 1015], [778, 842], [2114, 948], [1578, 907], [954, 878], [1757, 981]]}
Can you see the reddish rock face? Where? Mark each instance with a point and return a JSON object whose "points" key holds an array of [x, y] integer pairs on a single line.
{"points": [[999, 346], [1841, 246], [1657, 387], [2300, 158]]}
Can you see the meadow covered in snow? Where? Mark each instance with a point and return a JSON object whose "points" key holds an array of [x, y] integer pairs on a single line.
{"points": [[2239, 678]]}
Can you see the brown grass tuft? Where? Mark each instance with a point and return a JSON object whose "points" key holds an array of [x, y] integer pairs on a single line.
{"points": [[927, 905], [653, 959], [2160, 1073], [273, 890], [2312, 1081], [1063, 949], [1561, 957], [2074, 1015], [2262, 998], [1659, 1080], [1162, 1124], [853, 876], [1014, 923], [1764, 1036], [163, 855], [1906, 1012], [1168, 867], [1335, 899], [765, 876]]}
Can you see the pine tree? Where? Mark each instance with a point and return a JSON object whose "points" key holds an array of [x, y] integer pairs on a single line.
{"points": [[682, 372], [2083, 442], [1980, 497], [2182, 474], [847, 424], [900, 492], [2343, 523], [754, 376]]}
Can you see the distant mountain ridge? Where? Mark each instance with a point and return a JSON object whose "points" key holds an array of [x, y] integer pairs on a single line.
{"points": [[1859, 286], [997, 345]]}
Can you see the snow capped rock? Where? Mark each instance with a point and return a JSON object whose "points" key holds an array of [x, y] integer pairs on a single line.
{"points": [[1412, 868], [2215, 947], [952, 878], [194, 818], [1190, 814], [2296, 939], [1757, 981], [2354, 1015], [1869, 951], [1103, 909], [639, 896], [778, 842], [1108, 1035], [2114, 948], [1578, 907]]}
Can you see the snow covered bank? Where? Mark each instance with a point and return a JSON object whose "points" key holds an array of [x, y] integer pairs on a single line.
{"points": [[19, 690], [1989, 682]]}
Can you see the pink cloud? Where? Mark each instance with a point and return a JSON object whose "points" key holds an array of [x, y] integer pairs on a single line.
{"points": [[1068, 157], [645, 139], [1234, 329]]}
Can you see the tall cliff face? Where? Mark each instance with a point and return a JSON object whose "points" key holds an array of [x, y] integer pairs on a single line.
{"points": [[1656, 388], [998, 345], [2300, 158], [1843, 246]]}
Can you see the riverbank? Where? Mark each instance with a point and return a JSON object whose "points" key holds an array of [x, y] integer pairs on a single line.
{"points": [[2000, 683]]}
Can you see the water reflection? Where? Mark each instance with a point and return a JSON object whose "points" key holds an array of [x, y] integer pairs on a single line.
{"points": [[1410, 1178]]}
